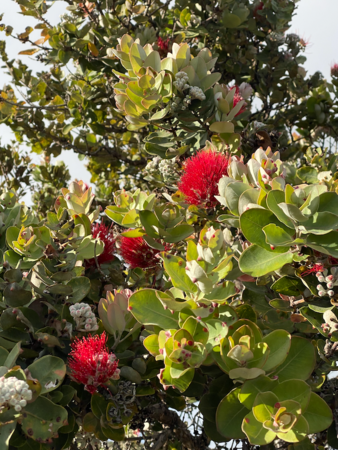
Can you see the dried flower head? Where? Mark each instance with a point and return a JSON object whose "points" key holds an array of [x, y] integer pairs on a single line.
{"points": [[202, 172], [91, 363], [137, 253], [105, 234]]}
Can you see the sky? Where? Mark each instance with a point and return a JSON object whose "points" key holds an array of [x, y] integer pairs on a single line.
{"points": [[321, 52]]}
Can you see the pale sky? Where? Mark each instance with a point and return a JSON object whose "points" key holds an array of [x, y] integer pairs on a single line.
{"points": [[309, 23]]}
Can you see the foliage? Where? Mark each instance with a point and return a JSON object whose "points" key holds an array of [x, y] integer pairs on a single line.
{"points": [[192, 300]]}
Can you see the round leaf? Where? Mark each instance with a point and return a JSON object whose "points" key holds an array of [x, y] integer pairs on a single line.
{"points": [[300, 361], [148, 310], [229, 416]]}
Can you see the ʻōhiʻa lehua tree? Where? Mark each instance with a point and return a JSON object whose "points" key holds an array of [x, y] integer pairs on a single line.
{"points": [[188, 297]]}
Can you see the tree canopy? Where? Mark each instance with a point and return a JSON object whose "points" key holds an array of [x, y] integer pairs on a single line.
{"points": [[186, 299]]}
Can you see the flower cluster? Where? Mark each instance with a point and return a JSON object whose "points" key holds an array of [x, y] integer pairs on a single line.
{"points": [[330, 324], [168, 169], [84, 317], [202, 172], [152, 166], [91, 363], [197, 93], [182, 81], [330, 281], [105, 234], [137, 253], [14, 392]]}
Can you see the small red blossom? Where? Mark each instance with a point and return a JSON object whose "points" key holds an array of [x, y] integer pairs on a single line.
{"points": [[238, 98], [258, 7], [105, 234], [137, 253], [314, 269], [163, 46], [334, 70], [91, 363], [202, 172], [304, 42]]}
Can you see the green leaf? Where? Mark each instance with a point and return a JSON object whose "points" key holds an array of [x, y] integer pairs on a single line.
{"points": [[256, 261], [222, 127], [318, 414], [175, 267], [80, 287], [251, 388], [151, 344], [288, 286], [327, 243], [49, 371], [98, 405], [300, 361], [130, 374], [308, 175], [274, 198], [276, 236], [148, 310], [13, 355], [297, 433], [252, 223], [231, 20], [42, 419], [296, 390], [263, 408], [185, 17], [211, 431], [320, 223], [16, 296], [207, 82], [328, 202], [208, 406], [232, 194], [6, 431], [256, 433], [293, 212], [178, 233], [229, 416], [314, 317], [279, 342]]}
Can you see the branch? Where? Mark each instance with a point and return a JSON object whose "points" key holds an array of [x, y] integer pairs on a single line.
{"points": [[161, 413], [32, 106]]}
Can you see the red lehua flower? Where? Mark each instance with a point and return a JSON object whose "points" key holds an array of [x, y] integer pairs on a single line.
{"points": [[238, 98], [314, 269], [104, 233], [202, 172], [334, 70], [91, 363], [163, 45], [137, 253]]}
